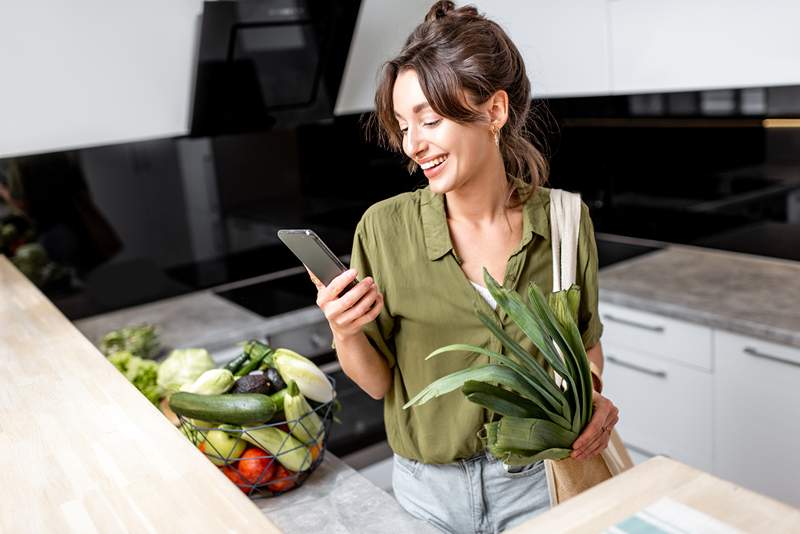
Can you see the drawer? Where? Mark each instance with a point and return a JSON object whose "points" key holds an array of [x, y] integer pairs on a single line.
{"points": [[657, 335], [665, 407]]}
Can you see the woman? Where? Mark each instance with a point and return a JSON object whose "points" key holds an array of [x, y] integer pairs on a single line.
{"points": [[455, 101]]}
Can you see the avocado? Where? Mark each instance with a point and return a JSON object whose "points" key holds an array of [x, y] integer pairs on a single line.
{"points": [[251, 384]]}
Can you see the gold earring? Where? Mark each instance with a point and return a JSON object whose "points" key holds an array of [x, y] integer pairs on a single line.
{"points": [[494, 130]]}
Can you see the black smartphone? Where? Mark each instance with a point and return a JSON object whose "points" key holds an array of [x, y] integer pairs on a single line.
{"points": [[314, 254]]}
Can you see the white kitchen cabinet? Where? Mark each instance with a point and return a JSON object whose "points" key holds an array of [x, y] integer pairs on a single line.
{"points": [[654, 334], [661, 46], [757, 419], [91, 73], [658, 373], [665, 406], [564, 45]]}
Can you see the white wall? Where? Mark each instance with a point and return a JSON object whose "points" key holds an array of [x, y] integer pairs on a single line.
{"points": [[94, 72]]}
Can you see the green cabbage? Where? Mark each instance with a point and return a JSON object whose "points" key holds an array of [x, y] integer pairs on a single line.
{"points": [[141, 373], [183, 366]]}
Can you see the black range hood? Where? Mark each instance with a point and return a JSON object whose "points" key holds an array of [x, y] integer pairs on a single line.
{"points": [[266, 64]]}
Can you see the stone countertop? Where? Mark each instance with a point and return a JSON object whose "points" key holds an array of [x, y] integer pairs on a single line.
{"points": [[750, 295], [336, 499]]}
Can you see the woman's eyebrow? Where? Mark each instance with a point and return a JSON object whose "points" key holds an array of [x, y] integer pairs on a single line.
{"points": [[416, 109]]}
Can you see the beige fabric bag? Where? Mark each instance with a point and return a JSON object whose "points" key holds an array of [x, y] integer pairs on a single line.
{"points": [[568, 477]]}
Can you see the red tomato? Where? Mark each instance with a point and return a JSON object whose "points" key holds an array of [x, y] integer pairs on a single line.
{"points": [[281, 480], [256, 466], [237, 479]]}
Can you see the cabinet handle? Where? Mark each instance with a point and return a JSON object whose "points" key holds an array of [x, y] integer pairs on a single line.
{"points": [[645, 370], [627, 322], [758, 354]]}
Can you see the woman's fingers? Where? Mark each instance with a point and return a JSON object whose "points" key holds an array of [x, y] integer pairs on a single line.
{"points": [[319, 285], [371, 315], [359, 308], [334, 308], [337, 285], [595, 436]]}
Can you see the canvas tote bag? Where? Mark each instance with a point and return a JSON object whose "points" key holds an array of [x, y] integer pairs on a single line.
{"points": [[568, 477]]}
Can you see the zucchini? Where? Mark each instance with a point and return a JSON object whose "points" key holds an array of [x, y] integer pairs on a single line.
{"points": [[278, 398], [236, 363], [292, 454], [254, 362], [247, 408]]}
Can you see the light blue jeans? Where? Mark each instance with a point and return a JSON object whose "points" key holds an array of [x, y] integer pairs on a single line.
{"points": [[476, 495]]}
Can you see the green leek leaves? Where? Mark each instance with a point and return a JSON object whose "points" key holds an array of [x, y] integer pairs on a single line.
{"points": [[540, 419]]}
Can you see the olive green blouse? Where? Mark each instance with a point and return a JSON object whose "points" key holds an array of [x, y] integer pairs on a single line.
{"points": [[404, 244]]}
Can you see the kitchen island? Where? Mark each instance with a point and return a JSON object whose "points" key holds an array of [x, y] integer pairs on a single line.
{"points": [[84, 451]]}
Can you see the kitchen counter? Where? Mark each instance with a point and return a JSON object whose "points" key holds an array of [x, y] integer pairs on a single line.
{"points": [[85, 451], [749, 295], [618, 498]]}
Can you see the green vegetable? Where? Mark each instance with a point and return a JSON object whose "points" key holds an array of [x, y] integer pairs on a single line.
{"points": [[211, 382], [292, 454], [247, 408], [256, 357], [541, 419], [236, 363], [141, 373], [221, 447], [304, 423], [183, 366], [278, 398], [141, 341], [310, 379]]}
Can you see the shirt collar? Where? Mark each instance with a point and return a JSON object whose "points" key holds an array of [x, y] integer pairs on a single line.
{"points": [[437, 234]]}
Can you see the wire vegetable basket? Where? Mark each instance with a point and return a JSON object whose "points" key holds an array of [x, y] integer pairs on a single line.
{"points": [[269, 459]]}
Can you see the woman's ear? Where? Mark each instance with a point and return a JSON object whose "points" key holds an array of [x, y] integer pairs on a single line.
{"points": [[498, 108]]}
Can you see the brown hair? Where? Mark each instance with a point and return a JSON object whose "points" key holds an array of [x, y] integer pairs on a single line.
{"points": [[459, 52]]}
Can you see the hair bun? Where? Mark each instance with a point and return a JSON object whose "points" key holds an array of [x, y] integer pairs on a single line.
{"points": [[439, 10]]}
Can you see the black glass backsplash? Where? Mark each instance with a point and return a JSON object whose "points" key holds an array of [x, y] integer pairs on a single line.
{"points": [[656, 168]]}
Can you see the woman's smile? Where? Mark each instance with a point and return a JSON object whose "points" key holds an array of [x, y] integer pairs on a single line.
{"points": [[433, 167]]}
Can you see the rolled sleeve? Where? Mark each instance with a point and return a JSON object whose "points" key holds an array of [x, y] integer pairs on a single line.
{"points": [[588, 316]]}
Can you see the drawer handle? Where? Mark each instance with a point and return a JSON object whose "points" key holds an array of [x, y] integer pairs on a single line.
{"points": [[645, 370], [758, 354], [627, 322]]}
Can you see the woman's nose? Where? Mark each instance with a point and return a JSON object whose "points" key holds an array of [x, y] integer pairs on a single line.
{"points": [[415, 143]]}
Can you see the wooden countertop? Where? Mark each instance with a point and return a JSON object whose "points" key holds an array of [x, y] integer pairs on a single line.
{"points": [[82, 450], [624, 495]]}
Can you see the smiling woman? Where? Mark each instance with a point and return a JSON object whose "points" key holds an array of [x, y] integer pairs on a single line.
{"points": [[455, 102], [452, 66]]}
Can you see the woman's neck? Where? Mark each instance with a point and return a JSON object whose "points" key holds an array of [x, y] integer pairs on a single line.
{"points": [[482, 199]]}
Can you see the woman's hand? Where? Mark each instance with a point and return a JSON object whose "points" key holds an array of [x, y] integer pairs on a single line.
{"points": [[594, 438], [346, 314]]}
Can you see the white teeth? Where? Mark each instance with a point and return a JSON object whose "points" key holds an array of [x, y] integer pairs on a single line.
{"points": [[433, 163]]}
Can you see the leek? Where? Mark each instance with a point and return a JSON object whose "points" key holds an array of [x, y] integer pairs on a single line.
{"points": [[540, 418]]}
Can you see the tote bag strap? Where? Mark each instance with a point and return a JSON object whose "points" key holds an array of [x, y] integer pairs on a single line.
{"points": [[565, 221]]}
